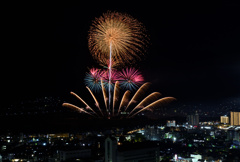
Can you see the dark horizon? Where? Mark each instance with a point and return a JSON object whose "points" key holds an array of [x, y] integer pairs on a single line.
{"points": [[193, 55]]}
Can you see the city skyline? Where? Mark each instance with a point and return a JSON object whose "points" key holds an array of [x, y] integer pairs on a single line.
{"points": [[193, 55], [144, 82]]}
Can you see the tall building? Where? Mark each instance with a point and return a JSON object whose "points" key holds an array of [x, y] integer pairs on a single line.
{"points": [[224, 119], [235, 118], [111, 149], [193, 119], [233, 135], [139, 151]]}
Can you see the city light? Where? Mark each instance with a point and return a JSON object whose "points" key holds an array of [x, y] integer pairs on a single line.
{"points": [[117, 57]]}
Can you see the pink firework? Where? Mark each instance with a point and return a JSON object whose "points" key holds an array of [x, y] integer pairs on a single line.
{"points": [[114, 78], [95, 72], [130, 78]]}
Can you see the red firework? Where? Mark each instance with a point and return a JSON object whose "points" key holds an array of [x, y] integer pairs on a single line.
{"points": [[114, 76], [130, 78]]}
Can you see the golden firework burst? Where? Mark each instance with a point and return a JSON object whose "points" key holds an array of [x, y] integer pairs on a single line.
{"points": [[119, 33]]}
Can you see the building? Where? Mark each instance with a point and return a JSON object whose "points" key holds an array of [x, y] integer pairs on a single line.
{"points": [[138, 152], [235, 118], [224, 119], [74, 154], [128, 152], [193, 119], [233, 134], [171, 123], [192, 158], [111, 149]]}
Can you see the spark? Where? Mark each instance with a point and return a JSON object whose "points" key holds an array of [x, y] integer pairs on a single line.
{"points": [[150, 98], [130, 78], [104, 95], [158, 103], [124, 101], [110, 81], [87, 106], [74, 107], [149, 103], [96, 102], [125, 34], [115, 96], [138, 94], [93, 79], [117, 39]]}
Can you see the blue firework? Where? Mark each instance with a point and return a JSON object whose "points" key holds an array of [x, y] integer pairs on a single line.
{"points": [[93, 79]]}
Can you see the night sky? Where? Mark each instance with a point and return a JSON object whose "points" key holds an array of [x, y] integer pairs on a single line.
{"points": [[194, 53]]}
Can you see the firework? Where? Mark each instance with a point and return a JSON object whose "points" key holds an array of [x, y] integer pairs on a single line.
{"points": [[138, 94], [87, 106], [118, 34], [74, 107], [130, 78], [117, 39], [147, 104], [93, 79], [96, 102], [124, 101], [110, 81], [115, 96], [149, 99], [104, 95], [158, 103]]}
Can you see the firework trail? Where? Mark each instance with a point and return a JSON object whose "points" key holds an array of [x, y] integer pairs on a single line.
{"points": [[96, 102], [124, 101], [110, 74], [87, 106], [104, 95], [130, 78], [155, 104], [138, 94], [148, 103], [149, 99], [119, 34], [115, 96], [71, 106]]}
